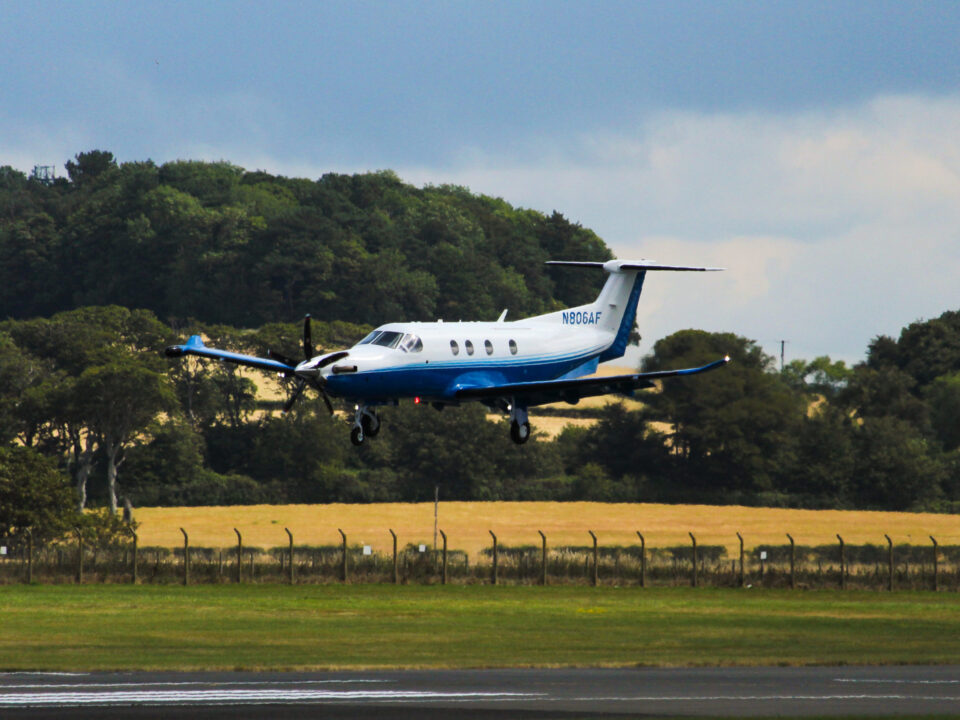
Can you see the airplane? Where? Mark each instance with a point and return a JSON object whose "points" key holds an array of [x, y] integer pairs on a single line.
{"points": [[509, 366]]}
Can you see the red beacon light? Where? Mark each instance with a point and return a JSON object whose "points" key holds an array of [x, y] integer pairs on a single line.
{"points": [[416, 401]]}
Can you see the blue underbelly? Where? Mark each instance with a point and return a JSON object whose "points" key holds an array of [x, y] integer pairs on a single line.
{"points": [[440, 381]]}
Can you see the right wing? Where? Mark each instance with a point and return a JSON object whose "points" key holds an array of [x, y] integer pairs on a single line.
{"points": [[549, 391]]}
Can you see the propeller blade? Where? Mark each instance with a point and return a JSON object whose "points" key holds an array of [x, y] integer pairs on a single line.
{"points": [[307, 338], [301, 384], [279, 357], [326, 399]]}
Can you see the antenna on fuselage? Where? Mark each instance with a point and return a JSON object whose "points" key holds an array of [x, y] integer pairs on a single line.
{"points": [[503, 315]]}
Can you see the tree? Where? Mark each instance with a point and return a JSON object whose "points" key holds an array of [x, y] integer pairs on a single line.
{"points": [[34, 495], [124, 398], [89, 165], [732, 428], [895, 468]]}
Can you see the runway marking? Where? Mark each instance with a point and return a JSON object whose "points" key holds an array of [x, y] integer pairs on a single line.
{"points": [[235, 683], [897, 681], [195, 697]]}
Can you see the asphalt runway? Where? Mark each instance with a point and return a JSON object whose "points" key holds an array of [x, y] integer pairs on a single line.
{"points": [[468, 694]]}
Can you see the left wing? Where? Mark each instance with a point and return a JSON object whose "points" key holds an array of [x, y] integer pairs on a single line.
{"points": [[549, 391], [195, 346]]}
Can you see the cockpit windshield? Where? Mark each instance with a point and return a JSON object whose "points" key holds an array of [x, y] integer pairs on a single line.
{"points": [[392, 339], [387, 338]]}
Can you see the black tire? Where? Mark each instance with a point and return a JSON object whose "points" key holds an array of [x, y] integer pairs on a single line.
{"points": [[519, 432], [356, 435], [370, 424]]}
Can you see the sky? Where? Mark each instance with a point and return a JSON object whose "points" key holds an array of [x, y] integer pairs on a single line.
{"points": [[812, 149]]}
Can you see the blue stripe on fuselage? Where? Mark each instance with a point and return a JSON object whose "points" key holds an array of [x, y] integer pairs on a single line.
{"points": [[442, 380]]}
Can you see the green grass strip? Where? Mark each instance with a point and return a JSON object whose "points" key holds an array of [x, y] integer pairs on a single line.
{"points": [[116, 627]]}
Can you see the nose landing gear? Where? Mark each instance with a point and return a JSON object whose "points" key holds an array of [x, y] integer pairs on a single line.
{"points": [[366, 423]]}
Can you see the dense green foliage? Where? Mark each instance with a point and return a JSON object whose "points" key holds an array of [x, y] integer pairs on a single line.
{"points": [[241, 256], [214, 242]]}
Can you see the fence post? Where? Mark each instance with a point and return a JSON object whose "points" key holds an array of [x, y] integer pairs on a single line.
{"points": [[793, 582], [596, 572], [693, 579], [494, 556], [29, 556], [239, 556], [543, 560], [843, 565], [290, 558], [134, 577], [79, 555], [643, 560], [740, 538], [936, 566], [186, 557], [396, 566], [443, 576], [889, 562], [343, 565]]}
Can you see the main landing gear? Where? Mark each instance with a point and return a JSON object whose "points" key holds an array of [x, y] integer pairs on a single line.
{"points": [[366, 424], [519, 425]]}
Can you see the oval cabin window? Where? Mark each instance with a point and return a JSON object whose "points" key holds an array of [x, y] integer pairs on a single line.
{"points": [[454, 348], [469, 346], [488, 346], [513, 347]]}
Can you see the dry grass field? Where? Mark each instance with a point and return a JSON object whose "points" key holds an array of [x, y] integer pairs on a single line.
{"points": [[516, 523]]}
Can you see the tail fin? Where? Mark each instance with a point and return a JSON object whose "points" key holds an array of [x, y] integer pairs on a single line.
{"points": [[615, 309]]}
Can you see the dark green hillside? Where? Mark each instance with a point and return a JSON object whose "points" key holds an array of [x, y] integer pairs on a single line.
{"points": [[216, 243]]}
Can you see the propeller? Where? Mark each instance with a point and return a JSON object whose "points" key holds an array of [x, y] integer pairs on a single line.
{"points": [[317, 382]]}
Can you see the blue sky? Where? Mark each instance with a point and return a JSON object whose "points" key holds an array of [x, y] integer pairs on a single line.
{"points": [[812, 148]]}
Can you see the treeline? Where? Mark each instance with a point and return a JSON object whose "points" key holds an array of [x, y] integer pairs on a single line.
{"points": [[216, 243], [88, 401], [90, 391]]}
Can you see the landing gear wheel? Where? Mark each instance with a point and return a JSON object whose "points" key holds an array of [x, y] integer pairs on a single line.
{"points": [[370, 423], [356, 435], [519, 432]]}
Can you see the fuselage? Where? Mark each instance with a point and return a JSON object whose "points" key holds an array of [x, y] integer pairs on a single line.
{"points": [[434, 360]]}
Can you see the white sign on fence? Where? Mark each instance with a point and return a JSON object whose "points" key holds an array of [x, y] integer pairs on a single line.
{"points": [[3, 549], [367, 550], [763, 554], [423, 548]]}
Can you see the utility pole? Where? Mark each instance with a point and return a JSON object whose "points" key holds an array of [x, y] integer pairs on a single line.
{"points": [[782, 344]]}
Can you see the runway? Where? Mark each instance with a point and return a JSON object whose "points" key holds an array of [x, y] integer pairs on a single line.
{"points": [[533, 693]]}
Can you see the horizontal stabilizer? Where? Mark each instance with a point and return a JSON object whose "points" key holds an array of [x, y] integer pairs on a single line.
{"points": [[617, 265]]}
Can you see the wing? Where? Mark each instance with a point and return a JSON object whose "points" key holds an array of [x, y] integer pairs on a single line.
{"points": [[195, 346], [548, 391]]}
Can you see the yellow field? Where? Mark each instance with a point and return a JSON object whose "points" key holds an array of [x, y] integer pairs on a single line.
{"points": [[516, 523]]}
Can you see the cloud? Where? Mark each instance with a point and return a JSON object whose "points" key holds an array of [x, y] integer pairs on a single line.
{"points": [[836, 225]]}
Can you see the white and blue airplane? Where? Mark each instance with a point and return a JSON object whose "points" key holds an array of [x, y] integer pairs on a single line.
{"points": [[509, 366]]}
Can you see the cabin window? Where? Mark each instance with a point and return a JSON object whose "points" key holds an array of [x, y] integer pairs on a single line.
{"points": [[411, 343], [454, 348], [469, 346], [488, 346], [513, 347]]}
